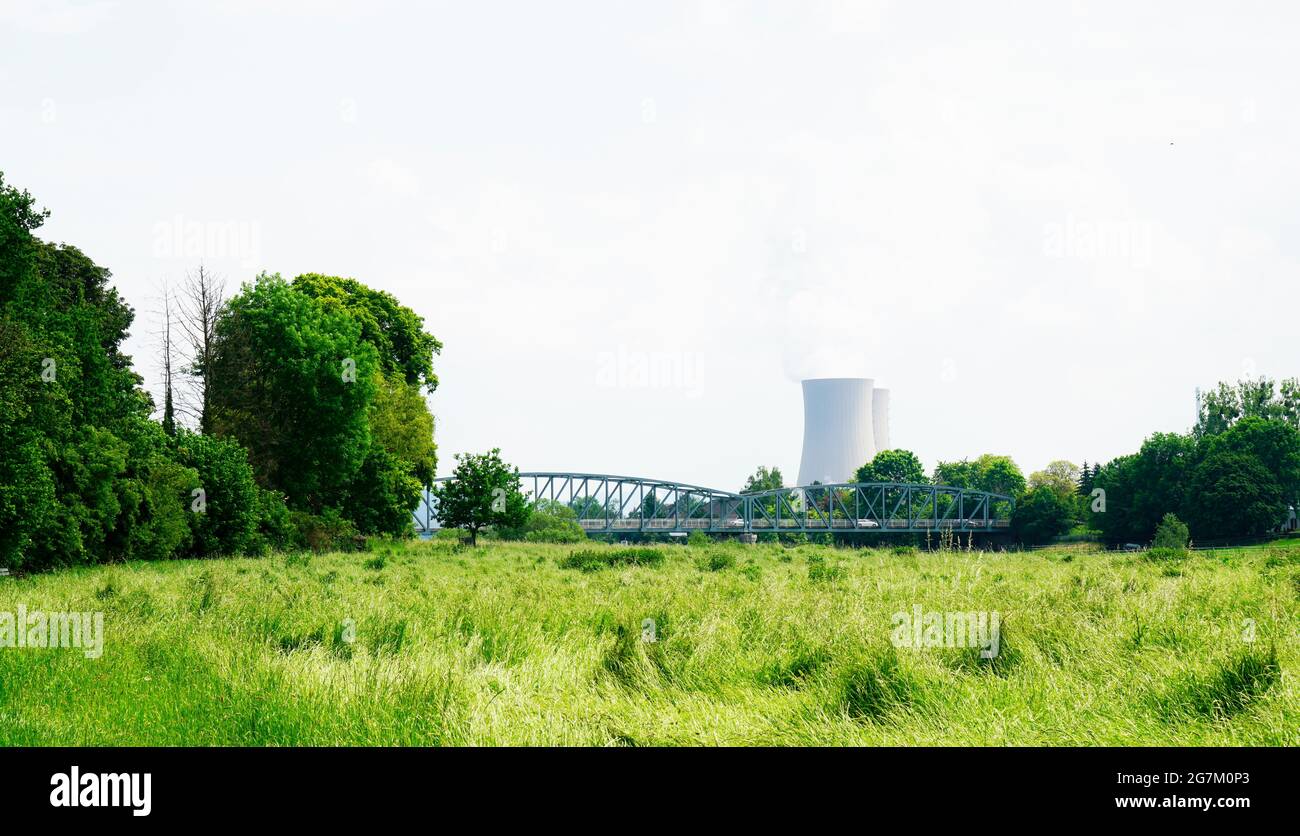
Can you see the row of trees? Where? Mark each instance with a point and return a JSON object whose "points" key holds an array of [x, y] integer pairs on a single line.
{"points": [[1236, 474], [304, 400]]}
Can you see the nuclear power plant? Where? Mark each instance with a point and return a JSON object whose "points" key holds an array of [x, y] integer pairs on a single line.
{"points": [[845, 423]]}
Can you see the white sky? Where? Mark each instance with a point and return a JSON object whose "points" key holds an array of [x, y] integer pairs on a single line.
{"points": [[635, 226]]}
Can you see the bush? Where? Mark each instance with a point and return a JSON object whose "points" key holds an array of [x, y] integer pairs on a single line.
{"points": [[1171, 534], [820, 571], [164, 527], [591, 560], [719, 560], [275, 528], [325, 532], [1164, 553], [549, 522], [227, 520], [697, 538]]}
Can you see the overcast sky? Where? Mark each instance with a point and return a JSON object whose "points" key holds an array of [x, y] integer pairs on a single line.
{"points": [[636, 226]]}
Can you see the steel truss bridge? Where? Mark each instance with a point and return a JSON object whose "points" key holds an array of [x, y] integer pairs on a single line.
{"points": [[605, 504]]}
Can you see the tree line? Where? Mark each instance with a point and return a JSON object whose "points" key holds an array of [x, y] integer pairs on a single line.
{"points": [[295, 416], [1235, 474]]}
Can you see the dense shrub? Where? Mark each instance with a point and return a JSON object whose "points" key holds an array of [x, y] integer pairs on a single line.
{"points": [[717, 561], [548, 522], [819, 571], [592, 560], [328, 531], [1171, 534], [163, 528], [275, 526], [225, 517]]}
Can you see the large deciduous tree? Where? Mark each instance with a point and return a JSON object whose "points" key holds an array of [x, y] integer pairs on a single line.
{"points": [[293, 383]]}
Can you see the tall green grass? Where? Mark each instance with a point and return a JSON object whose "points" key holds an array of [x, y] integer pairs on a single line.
{"points": [[434, 644]]}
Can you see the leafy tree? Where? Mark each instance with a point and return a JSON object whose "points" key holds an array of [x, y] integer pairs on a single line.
{"points": [[999, 474], [1061, 476], [1273, 443], [293, 383], [81, 479], [963, 474], [1042, 515], [396, 332], [764, 479], [1118, 519], [1221, 407], [482, 491], [892, 466], [402, 425], [380, 497], [1142, 488], [994, 474], [1233, 495]]}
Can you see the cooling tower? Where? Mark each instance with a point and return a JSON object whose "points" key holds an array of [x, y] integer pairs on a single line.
{"points": [[880, 419], [838, 433]]}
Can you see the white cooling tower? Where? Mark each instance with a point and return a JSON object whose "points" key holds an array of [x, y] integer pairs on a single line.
{"points": [[838, 433], [880, 419]]}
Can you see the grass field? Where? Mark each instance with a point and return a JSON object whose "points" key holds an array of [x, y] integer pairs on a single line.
{"points": [[433, 643]]}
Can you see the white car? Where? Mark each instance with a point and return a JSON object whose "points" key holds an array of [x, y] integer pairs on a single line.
{"points": [[868, 524]]}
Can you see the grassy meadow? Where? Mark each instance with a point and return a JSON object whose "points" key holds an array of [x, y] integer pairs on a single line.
{"points": [[433, 643]]}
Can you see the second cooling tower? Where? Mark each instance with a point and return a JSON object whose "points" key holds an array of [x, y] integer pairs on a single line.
{"points": [[838, 430], [880, 419]]}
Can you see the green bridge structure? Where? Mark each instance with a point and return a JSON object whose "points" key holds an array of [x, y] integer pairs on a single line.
{"points": [[608, 504]]}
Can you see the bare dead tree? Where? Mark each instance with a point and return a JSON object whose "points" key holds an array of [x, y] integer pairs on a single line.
{"points": [[201, 299], [167, 348]]}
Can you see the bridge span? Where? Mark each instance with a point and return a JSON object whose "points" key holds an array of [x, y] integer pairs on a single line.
{"points": [[607, 504]]}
